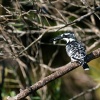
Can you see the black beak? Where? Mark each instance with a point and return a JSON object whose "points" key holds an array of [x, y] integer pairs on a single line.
{"points": [[57, 38]]}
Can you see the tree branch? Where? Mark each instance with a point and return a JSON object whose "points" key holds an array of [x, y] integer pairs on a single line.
{"points": [[84, 92], [81, 18], [62, 71]]}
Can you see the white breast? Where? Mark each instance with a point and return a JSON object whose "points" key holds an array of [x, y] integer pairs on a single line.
{"points": [[68, 39]]}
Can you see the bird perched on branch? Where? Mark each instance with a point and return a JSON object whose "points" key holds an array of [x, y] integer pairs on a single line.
{"points": [[74, 49]]}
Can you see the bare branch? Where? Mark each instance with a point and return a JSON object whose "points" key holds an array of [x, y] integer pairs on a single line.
{"points": [[84, 92], [93, 45], [81, 18], [62, 71], [33, 42]]}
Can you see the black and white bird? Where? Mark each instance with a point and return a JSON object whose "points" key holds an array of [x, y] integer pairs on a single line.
{"points": [[74, 48]]}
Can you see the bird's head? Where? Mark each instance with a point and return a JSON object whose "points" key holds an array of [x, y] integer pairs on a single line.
{"points": [[68, 37]]}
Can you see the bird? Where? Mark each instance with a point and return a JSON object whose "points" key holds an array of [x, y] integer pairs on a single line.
{"points": [[75, 49]]}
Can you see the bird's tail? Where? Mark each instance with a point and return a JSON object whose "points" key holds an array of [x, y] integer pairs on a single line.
{"points": [[85, 66]]}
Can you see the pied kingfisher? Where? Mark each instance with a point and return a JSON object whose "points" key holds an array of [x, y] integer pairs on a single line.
{"points": [[74, 49]]}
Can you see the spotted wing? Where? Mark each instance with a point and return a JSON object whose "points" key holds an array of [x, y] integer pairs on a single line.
{"points": [[76, 51]]}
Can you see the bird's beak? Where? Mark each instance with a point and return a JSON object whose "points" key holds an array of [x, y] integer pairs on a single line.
{"points": [[57, 38]]}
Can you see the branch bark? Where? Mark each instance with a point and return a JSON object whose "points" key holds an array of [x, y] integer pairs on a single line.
{"points": [[60, 72]]}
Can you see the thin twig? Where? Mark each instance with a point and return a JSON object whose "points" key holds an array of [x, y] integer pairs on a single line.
{"points": [[80, 18], [84, 92], [93, 45], [33, 42], [53, 56]]}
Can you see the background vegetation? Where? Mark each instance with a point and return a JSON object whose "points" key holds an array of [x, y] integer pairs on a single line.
{"points": [[26, 55]]}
